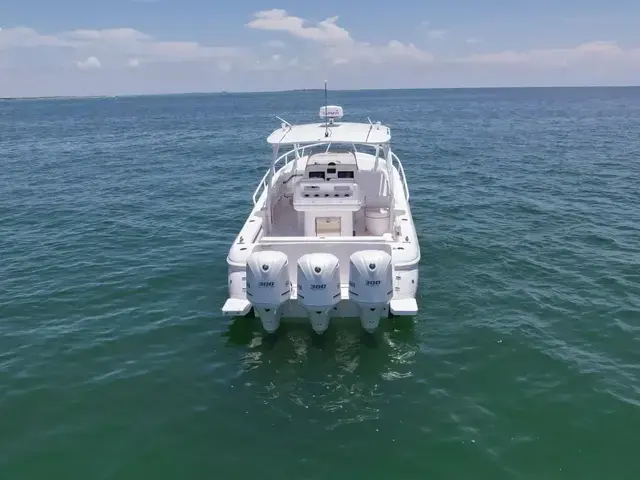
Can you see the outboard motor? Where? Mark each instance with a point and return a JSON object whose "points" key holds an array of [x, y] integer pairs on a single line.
{"points": [[268, 286], [318, 287], [370, 285]]}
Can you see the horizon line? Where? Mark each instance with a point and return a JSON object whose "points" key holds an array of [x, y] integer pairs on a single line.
{"points": [[291, 90]]}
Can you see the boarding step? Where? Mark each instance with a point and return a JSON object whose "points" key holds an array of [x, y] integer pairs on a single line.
{"points": [[403, 307], [236, 307]]}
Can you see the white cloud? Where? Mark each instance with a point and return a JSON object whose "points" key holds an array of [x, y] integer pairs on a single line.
{"points": [[90, 63], [126, 60], [600, 51], [437, 34], [35, 63], [276, 44], [278, 20], [339, 46], [394, 51], [106, 35], [28, 38], [182, 51], [117, 42]]}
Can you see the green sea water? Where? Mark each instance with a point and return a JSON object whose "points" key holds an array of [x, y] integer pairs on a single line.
{"points": [[116, 215]]}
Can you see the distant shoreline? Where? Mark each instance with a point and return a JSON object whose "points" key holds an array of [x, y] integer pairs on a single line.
{"points": [[305, 90]]}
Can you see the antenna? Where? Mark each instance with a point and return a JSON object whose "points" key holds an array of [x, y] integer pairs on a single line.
{"points": [[326, 105], [329, 112]]}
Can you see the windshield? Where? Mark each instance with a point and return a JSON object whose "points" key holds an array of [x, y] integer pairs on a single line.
{"points": [[341, 148]]}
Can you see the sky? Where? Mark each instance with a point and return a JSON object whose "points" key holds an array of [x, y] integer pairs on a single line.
{"points": [[117, 47]]}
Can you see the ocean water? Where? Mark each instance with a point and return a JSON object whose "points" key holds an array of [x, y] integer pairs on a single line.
{"points": [[524, 361]]}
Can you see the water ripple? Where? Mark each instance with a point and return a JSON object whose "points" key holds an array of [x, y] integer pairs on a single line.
{"points": [[523, 361]]}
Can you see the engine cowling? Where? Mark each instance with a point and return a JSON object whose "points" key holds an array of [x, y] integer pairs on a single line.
{"points": [[370, 285], [318, 287], [268, 286]]}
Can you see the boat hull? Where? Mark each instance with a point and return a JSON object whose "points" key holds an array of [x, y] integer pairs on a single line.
{"points": [[399, 248], [404, 304]]}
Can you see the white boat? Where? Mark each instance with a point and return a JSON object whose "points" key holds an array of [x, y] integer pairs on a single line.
{"points": [[330, 233]]}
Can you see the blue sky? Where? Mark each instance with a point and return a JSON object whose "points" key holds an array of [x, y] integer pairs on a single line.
{"points": [[146, 46]]}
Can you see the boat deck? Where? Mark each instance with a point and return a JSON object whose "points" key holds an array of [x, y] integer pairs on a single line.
{"points": [[289, 223]]}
